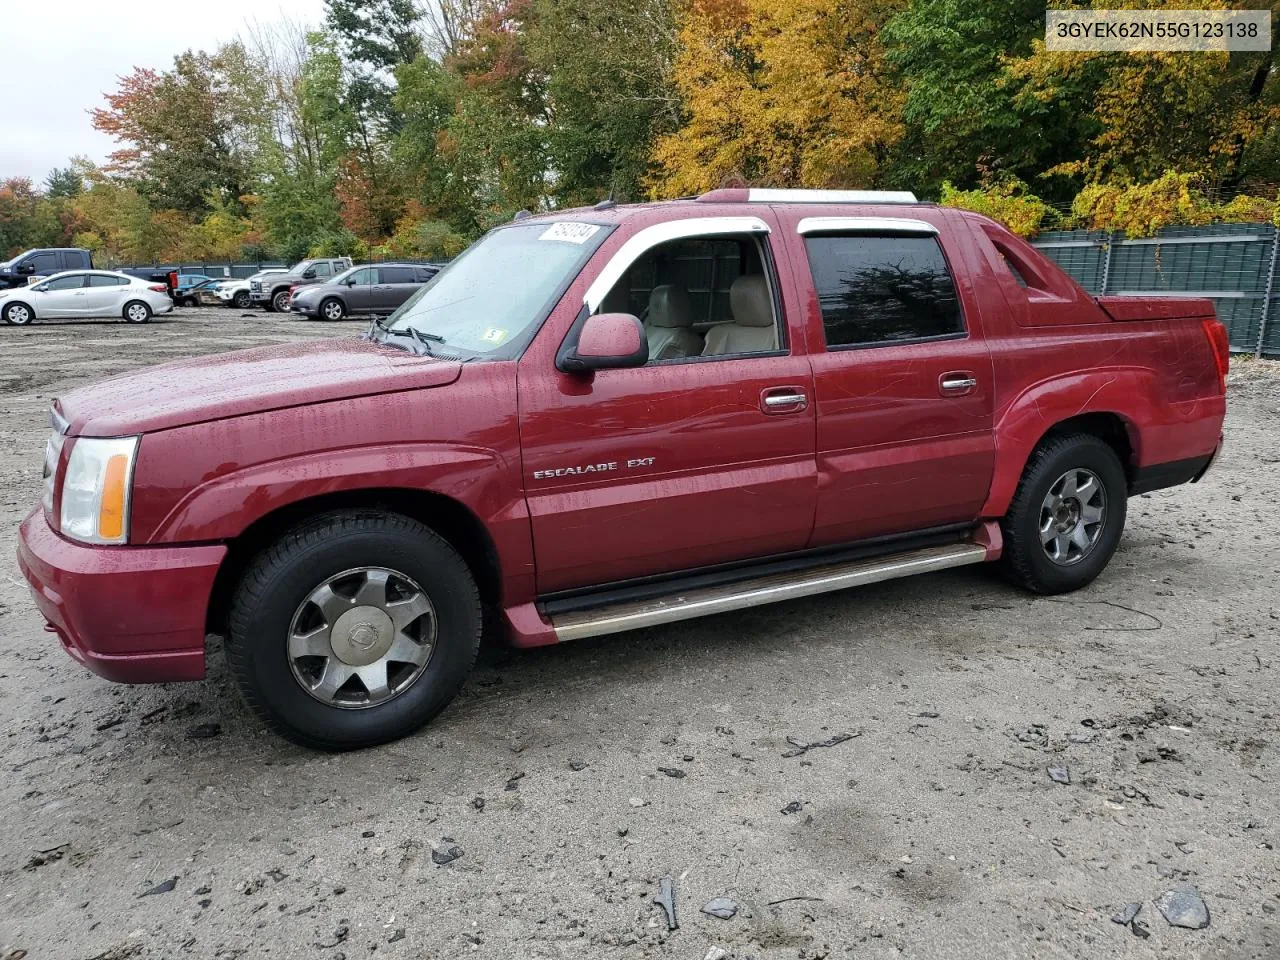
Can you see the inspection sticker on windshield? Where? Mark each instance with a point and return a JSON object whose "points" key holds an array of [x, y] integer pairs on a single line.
{"points": [[566, 231], [493, 335]]}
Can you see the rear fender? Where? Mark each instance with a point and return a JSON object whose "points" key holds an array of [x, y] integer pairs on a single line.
{"points": [[1126, 392]]}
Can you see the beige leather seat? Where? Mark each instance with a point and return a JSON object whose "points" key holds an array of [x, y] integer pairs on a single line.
{"points": [[669, 324], [753, 329]]}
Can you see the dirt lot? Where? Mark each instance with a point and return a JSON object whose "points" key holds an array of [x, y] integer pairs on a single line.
{"points": [[934, 832]]}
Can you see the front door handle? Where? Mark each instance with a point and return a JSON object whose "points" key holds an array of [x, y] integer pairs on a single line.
{"points": [[957, 383], [783, 400]]}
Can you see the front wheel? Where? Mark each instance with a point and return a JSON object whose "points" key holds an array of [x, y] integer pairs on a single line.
{"points": [[242, 300], [1067, 515], [333, 309], [18, 314], [280, 301], [135, 311], [354, 629]]}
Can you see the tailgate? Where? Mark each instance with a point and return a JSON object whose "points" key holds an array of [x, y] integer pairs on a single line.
{"points": [[1156, 308]]}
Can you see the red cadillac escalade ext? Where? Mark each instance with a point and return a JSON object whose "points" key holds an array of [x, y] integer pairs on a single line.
{"points": [[608, 418]]}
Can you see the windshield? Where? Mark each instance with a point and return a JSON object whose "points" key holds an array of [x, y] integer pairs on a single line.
{"points": [[299, 267], [499, 288]]}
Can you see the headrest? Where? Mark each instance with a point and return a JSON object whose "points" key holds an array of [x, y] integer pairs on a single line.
{"points": [[669, 307], [750, 303]]}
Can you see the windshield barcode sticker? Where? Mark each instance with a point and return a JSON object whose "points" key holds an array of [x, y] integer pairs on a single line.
{"points": [[570, 232]]}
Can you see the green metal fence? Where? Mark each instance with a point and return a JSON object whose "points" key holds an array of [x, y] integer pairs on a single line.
{"points": [[1233, 264]]}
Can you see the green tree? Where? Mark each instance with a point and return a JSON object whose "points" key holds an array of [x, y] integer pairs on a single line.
{"points": [[63, 182], [608, 70], [966, 117]]}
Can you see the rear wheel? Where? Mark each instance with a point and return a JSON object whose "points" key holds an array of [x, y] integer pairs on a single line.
{"points": [[280, 301], [18, 314], [354, 629], [1067, 515], [135, 311], [333, 309]]}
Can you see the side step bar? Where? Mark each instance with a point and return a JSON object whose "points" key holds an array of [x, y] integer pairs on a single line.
{"points": [[635, 614]]}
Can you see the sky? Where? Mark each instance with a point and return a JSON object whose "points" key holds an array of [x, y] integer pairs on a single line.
{"points": [[55, 69]]}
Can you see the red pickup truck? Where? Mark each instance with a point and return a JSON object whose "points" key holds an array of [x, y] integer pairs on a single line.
{"points": [[604, 419]]}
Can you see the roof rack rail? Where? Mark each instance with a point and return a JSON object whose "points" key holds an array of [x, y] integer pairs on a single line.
{"points": [[767, 195]]}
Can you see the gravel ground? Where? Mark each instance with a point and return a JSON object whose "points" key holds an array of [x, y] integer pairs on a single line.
{"points": [[537, 816]]}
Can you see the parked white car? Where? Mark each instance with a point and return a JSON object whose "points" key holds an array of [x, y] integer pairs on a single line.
{"points": [[85, 293]]}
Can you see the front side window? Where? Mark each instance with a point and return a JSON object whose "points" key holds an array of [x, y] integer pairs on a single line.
{"points": [[700, 297], [361, 276], [72, 282], [883, 289], [42, 262], [493, 297], [323, 269]]}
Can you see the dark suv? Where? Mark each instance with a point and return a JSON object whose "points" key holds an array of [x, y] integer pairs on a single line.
{"points": [[42, 263], [377, 288]]}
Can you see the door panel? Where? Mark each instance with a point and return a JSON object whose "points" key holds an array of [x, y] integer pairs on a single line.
{"points": [[682, 468], [65, 297], [894, 452], [103, 296], [677, 464], [903, 388], [382, 293], [357, 295]]}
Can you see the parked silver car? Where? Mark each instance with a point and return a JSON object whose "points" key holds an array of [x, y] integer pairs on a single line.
{"points": [[375, 289]]}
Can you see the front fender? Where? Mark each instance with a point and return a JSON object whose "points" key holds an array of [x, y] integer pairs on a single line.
{"points": [[1130, 393], [223, 507]]}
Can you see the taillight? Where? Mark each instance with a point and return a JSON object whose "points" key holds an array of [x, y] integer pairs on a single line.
{"points": [[1221, 346], [158, 288]]}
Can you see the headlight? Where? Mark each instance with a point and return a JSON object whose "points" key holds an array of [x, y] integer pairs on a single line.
{"points": [[96, 487]]}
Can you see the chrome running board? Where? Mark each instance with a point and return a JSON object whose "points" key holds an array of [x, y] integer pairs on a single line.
{"points": [[634, 614]]}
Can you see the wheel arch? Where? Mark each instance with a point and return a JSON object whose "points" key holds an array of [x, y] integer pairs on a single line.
{"points": [[1038, 418], [10, 301], [448, 517]]}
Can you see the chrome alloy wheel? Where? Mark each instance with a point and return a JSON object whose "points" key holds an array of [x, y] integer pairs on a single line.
{"points": [[1072, 516], [362, 637], [18, 314], [137, 313], [332, 310]]}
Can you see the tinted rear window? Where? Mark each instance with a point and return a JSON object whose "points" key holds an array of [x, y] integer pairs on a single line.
{"points": [[883, 289]]}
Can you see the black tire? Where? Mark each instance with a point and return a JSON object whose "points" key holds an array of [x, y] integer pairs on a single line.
{"points": [[280, 579], [132, 315], [242, 300], [18, 314], [331, 308], [280, 301], [1026, 559]]}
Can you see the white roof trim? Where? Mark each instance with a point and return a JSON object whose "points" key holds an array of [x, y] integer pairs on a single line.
{"points": [[648, 238], [830, 196], [864, 225]]}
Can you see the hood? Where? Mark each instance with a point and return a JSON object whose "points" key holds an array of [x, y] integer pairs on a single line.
{"points": [[244, 382]]}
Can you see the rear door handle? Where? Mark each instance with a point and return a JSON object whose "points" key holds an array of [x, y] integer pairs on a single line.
{"points": [[957, 383], [783, 400]]}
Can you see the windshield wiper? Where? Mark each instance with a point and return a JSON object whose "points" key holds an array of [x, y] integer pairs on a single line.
{"points": [[422, 337]]}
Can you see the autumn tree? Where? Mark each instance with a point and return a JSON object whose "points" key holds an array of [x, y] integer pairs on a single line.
{"points": [[793, 93], [180, 130]]}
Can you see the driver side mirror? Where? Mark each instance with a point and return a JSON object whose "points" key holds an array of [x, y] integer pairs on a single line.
{"points": [[351, 281], [309, 274], [604, 341]]}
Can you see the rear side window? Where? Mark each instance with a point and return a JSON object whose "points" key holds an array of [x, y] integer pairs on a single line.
{"points": [[883, 289], [396, 274], [99, 280]]}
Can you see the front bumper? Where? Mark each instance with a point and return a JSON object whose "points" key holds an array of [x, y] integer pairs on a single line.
{"points": [[129, 614]]}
